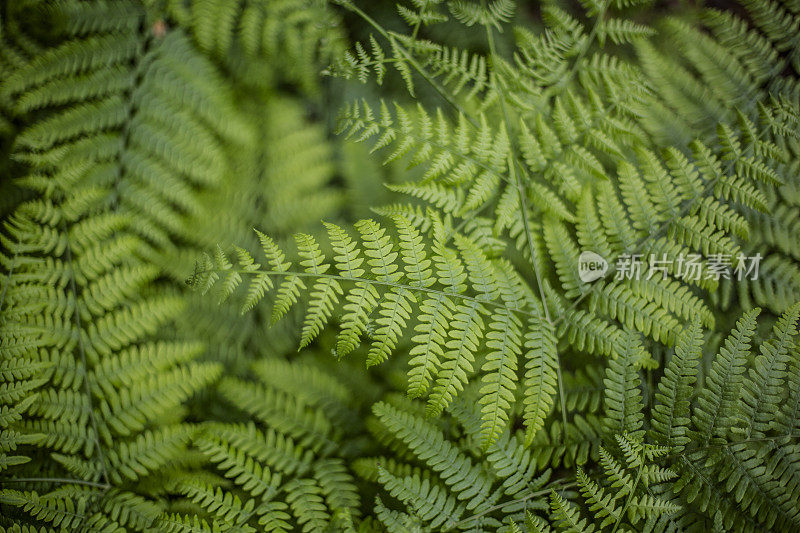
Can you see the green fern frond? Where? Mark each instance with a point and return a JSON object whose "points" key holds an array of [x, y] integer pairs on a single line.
{"points": [[541, 368], [671, 413], [494, 13], [620, 31], [623, 396], [285, 41], [442, 359], [452, 490]]}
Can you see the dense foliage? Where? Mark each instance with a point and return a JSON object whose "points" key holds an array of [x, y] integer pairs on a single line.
{"points": [[425, 180]]}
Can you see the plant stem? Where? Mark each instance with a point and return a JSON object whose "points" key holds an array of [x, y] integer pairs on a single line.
{"points": [[530, 496], [104, 486], [401, 286]]}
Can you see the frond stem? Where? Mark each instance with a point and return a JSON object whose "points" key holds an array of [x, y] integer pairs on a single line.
{"points": [[66, 481], [629, 499], [532, 495], [401, 286]]}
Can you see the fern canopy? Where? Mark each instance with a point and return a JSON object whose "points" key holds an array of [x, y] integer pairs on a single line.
{"points": [[517, 268]]}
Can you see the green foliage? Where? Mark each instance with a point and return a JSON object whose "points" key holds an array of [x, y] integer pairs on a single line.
{"points": [[140, 135], [128, 144], [454, 304], [282, 471], [449, 491], [83, 306], [262, 42]]}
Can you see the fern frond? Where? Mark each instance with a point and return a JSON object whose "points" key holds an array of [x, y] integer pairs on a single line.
{"points": [[451, 324], [761, 391], [497, 393], [620, 31], [671, 414], [286, 41], [623, 396], [494, 13], [716, 403], [541, 367]]}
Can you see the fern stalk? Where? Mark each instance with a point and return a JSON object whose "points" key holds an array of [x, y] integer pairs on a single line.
{"points": [[59, 480]]}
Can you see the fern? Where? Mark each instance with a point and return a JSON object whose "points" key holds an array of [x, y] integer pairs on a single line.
{"points": [[284, 472], [281, 41], [450, 491], [114, 181], [466, 288], [137, 134]]}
